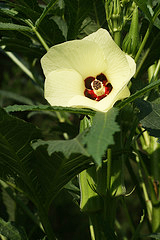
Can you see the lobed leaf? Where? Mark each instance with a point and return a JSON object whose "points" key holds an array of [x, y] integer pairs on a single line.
{"points": [[149, 116], [17, 108], [33, 170], [67, 147], [100, 135]]}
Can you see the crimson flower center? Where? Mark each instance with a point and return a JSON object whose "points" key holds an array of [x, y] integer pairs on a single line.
{"points": [[97, 88]]}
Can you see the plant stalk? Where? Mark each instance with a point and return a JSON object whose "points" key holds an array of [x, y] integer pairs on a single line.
{"points": [[146, 37], [154, 146], [44, 44], [46, 223]]}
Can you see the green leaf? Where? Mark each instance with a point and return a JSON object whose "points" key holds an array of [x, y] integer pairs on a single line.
{"points": [[154, 235], [26, 47], [152, 53], [16, 152], [67, 147], [33, 170], [100, 135], [139, 93], [17, 108], [75, 13], [11, 13], [149, 116], [16, 97], [45, 11], [8, 230], [25, 10], [156, 13], [56, 171], [61, 24], [33, 4], [14, 27], [142, 4]]}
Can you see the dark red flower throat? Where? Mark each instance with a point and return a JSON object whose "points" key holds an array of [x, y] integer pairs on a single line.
{"points": [[97, 88]]}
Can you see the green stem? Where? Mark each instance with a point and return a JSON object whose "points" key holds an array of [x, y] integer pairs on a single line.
{"points": [[157, 70], [154, 145], [146, 37], [38, 34], [143, 185], [138, 94], [91, 202], [41, 39], [155, 151], [91, 227], [20, 65], [96, 201], [116, 16], [130, 221], [155, 218], [46, 223], [143, 42], [96, 231], [138, 187], [145, 55], [151, 71], [117, 37], [108, 168]]}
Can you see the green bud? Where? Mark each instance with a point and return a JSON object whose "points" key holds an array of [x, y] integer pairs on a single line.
{"points": [[131, 42], [124, 2]]}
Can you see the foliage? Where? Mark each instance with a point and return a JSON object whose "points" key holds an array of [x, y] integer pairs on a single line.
{"points": [[115, 155]]}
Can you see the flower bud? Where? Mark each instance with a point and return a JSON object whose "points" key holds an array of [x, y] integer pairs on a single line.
{"points": [[131, 42]]}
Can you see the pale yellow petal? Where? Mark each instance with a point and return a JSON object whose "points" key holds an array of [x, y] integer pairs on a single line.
{"points": [[62, 85], [104, 105], [85, 57], [80, 101], [108, 102], [132, 65], [119, 67]]}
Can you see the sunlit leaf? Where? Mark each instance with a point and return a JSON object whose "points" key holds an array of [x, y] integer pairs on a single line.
{"points": [[67, 147], [17, 108], [100, 135]]}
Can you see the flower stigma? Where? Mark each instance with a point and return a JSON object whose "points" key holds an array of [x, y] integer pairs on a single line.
{"points": [[97, 88]]}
